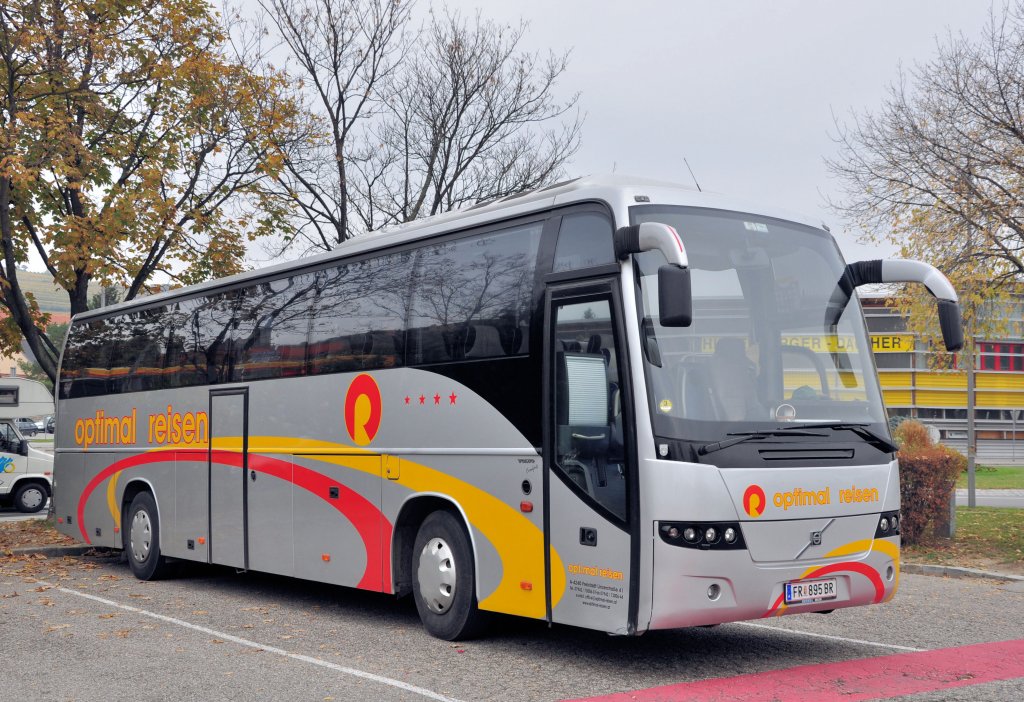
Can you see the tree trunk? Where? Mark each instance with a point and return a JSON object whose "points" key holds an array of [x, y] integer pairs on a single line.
{"points": [[13, 294], [80, 293]]}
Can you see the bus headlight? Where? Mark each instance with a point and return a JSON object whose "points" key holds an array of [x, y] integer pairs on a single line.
{"points": [[702, 535], [888, 525]]}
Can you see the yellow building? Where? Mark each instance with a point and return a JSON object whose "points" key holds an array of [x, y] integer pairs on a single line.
{"points": [[939, 397]]}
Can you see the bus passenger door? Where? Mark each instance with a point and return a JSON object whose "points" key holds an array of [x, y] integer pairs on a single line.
{"points": [[229, 466], [588, 461]]}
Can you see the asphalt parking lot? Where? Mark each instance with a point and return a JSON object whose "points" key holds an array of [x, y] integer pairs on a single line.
{"points": [[12, 515], [85, 629]]}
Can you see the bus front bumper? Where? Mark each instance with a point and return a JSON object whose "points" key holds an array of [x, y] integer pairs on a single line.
{"points": [[693, 587]]}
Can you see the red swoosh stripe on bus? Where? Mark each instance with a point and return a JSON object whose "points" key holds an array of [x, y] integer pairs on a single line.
{"points": [[359, 511], [865, 570]]}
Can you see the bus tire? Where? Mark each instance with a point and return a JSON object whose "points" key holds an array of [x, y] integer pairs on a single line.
{"points": [[30, 497], [142, 539], [444, 582]]}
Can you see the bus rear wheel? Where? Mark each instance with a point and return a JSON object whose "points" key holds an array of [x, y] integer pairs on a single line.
{"points": [[445, 584], [142, 539]]}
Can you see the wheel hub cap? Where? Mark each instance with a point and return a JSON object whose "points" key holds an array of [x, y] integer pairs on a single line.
{"points": [[141, 535], [436, 576], [32, 497]]}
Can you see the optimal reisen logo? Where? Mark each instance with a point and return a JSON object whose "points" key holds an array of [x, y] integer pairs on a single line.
{"points": [[755, 500]]}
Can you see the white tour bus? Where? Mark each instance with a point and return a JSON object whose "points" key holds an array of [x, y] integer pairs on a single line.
{"points": [[610, 403]]}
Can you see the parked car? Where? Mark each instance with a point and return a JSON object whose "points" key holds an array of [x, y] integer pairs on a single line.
{"points": [[26, 426], [51, 425]]}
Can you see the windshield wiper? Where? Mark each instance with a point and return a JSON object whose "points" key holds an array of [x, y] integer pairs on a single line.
{"points": [[738, 437], [860, 429]]}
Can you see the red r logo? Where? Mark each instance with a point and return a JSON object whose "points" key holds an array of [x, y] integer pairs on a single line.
{"points": [[363, 409], [754, 501]]}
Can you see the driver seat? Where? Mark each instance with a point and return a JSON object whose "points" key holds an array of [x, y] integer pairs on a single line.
{"points": [[733, 381]]}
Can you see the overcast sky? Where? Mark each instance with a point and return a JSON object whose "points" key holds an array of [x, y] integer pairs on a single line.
{"points": [[744, 89]]}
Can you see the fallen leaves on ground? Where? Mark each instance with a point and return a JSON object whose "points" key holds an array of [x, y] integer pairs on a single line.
{"points": [[31, 532]]}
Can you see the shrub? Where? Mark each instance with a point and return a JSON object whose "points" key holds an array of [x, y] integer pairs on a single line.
{"points": [[912, 436], [928, 473]]}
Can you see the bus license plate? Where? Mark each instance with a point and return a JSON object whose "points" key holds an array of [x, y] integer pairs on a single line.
{"points": [[810, 590]]}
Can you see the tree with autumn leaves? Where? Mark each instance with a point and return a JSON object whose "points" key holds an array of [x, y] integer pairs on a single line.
{"points": [[155, 137], [938, 171], [133, 142]]}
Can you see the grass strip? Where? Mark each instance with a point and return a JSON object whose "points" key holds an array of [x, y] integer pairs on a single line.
{"points": [[989, 538], [995, 478]]}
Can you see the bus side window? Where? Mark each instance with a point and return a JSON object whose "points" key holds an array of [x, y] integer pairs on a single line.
{"points": [[100, 344], [144, 355], [584, 241], [358, 315], [274, 345], [472, 296], [186, 355]]}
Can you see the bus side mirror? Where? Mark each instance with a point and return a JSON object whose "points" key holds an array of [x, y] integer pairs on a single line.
{"points": [[906, 271], [675, 296], [675, 301], [897, 270], [951, 325], [23, 447]]}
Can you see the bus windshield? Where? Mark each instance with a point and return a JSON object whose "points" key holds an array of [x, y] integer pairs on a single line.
{"points": [[775, 342]]}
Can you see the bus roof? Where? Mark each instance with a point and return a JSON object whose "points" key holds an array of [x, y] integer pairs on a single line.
{"points": [[617, 191]]}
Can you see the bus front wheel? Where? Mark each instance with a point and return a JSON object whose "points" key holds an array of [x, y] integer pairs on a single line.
{"points": [[445, 584], [142, 539], [30, 498]]}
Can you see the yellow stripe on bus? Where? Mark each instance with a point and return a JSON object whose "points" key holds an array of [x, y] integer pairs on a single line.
{"points": [[112, 499], [519, 543]]}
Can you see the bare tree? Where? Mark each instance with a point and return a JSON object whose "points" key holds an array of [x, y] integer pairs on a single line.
{"points": [[467, 122], [939, 168], [342, 50], [415, 123], [938, 171]]}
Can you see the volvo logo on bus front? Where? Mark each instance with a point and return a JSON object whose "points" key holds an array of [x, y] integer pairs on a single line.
{"points": [[815, 538]]}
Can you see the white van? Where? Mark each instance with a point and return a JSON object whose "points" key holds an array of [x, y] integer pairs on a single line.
{"points": [[26, 473]]}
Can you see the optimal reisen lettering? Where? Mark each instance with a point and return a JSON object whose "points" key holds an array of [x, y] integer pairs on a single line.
{"points": [[170, 427]]}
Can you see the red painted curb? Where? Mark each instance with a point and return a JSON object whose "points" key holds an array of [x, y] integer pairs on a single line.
{"points": [[849, 681]]}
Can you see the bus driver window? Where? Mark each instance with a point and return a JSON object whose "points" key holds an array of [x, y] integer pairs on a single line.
{"points": [[589, 446]]}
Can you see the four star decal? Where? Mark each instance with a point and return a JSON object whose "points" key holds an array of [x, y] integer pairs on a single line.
{"points": [[437, 397]]}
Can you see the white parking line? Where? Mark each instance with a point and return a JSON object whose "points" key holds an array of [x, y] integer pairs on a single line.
{"points": [[862, 642], [263, 647]]}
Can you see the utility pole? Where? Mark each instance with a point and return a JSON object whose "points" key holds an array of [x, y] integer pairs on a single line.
{"points": [[972, 444]]}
